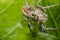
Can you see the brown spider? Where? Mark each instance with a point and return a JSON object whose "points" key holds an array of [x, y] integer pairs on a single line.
{"points": [[36, 13]]}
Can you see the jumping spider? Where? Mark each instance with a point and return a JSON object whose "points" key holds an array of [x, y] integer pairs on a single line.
{"points": [[36, 13]]}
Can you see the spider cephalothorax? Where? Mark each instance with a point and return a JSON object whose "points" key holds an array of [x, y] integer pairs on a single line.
{"points": [[39, 16], [36, 13]]}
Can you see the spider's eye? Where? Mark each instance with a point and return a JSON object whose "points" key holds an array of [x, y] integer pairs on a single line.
{"points": [[37, 16], [37, 19], [33, 15]]}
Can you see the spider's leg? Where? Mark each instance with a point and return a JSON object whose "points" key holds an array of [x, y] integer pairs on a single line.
{"points": [[40, 7], [32, 5], [31, 29], [29, 26], [32, 2], [38, 2], [42, 27], [51, 6], [26, 2], [50, 29]]}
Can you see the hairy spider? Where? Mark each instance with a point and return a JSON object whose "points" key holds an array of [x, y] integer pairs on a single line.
{"points": [[36, 13]]}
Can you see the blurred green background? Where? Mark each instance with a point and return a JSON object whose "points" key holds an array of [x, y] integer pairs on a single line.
{"points": [[11, 16]]}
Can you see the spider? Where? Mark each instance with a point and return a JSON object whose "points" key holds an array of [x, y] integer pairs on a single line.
{"points": [[36, 13]]}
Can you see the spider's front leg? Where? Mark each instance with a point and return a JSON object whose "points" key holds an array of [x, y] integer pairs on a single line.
{"points": [[31, 29], [29, 26], [42, 27], [47, 29], [50, 29]]}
